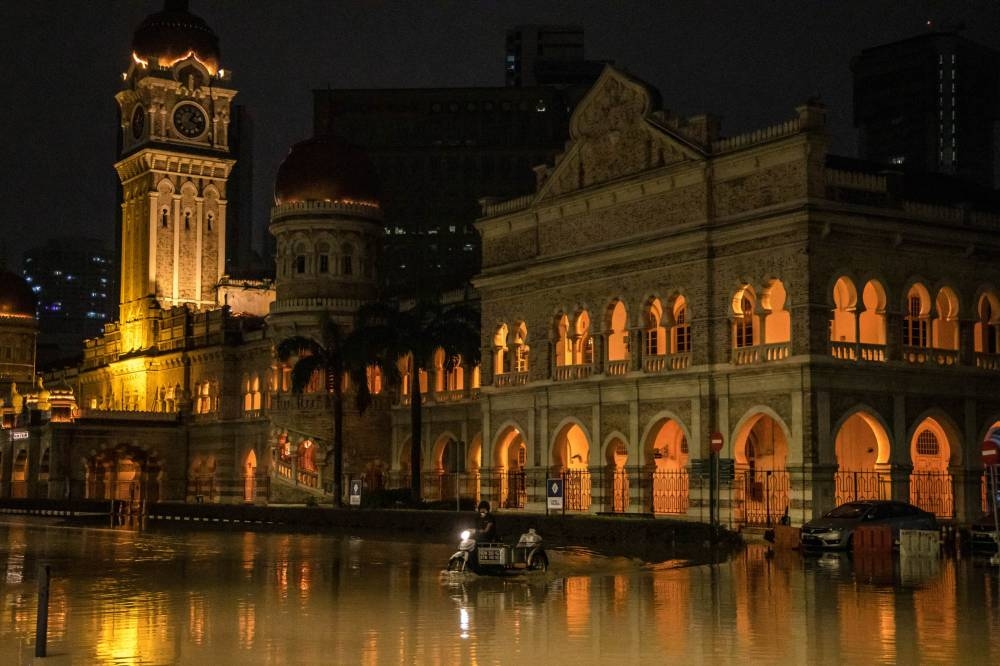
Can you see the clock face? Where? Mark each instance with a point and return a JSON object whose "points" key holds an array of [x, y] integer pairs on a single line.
{"points": [[138, 121], [189, 120]]}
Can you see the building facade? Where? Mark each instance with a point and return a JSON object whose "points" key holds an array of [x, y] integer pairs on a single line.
{"points": [[662, 286]]}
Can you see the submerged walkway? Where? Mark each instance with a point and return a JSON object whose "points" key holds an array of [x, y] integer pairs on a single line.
{"points": [[636, 536]]}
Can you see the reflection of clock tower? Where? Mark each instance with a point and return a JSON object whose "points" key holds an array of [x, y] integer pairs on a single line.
{"points": [[174, 109]]}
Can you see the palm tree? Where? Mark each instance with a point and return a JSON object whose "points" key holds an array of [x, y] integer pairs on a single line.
{"points": [[327, 357], [385, 334]]}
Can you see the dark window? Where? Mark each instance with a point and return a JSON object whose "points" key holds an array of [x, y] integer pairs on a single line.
{"points": [[324, 263], [300, 264]]}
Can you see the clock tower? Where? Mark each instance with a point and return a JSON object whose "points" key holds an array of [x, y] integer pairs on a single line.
{"points": [[175, 160]]}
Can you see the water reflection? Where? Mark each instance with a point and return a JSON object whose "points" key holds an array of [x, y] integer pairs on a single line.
{"points": [[228, 597]]}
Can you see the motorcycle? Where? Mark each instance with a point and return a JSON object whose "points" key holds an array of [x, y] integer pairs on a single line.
{"points": [[495, 558]]}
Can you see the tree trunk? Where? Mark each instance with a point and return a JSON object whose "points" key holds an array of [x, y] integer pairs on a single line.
{"points": [[416, 413], [338, 447]]}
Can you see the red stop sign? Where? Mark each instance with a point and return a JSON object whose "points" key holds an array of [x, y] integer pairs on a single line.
{"points": [[715, 441]]}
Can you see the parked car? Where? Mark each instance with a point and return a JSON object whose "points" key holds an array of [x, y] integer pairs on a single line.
{"points": [[981, 534], [836, 528]]}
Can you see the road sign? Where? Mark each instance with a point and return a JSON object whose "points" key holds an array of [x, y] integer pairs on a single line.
{"points": [[355, 492], [554, 493], [991, 450], [716, 442]]}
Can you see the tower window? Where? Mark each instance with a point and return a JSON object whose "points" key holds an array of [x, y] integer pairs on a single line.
{"points": [[187, 220], [163, 218]]}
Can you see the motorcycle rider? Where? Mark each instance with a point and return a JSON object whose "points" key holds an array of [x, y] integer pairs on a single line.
{"points": [[486, 529]]}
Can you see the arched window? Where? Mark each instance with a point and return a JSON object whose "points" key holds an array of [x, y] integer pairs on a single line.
{"points": [[744, 319], [778, 321], [164, 219], [209, 220], [986, 329], [563, 344], [618, 342], [583, 343], [187, 220], [844, 323], [927, 443], [521, 347], [323, 255], [916, 327], [500, 359], [347, 259], [871, 322], [300, 258], [944, 328], [655, 338], [680, 334], [374, 379]]}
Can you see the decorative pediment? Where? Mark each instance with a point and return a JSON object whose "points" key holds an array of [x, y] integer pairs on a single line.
{"points": [[611, 137]]}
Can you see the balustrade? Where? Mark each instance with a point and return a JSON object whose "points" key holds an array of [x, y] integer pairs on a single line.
{"points": [[666, 362], [562, 373], [988, 361], [617, 368], [511, 379]]}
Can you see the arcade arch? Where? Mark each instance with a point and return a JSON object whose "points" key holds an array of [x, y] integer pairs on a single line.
{"points": [[510, 457], [666, 458], [762, 483], [930, 480], [571, 457], [862, 447]]}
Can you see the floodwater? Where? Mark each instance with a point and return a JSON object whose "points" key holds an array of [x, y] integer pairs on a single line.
{"points": [[183, 596]]}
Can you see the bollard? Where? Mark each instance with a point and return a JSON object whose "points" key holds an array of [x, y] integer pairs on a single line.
{"points": [[42, 620]]}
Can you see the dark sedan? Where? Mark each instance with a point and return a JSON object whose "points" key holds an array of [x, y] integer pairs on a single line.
{"points": [[836, 528]]}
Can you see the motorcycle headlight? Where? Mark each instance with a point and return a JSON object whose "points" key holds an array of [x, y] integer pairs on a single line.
{"points": [[466, 534]]}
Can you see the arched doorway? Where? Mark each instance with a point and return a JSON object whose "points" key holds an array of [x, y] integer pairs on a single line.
{"points": [[570, 458], [125, 473], [510, 459], [250, 477], [449, 462], [19, 475], [201, 483], [930, 481], [762, 484], [992, 434], [862, 448], [666, 458], [616, 481]]}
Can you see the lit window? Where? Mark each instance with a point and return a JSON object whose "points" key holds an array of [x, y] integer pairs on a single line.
{"points": [[927, 443]]}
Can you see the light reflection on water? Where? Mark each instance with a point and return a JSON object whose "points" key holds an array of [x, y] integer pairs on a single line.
{"points": [[201, 597]]}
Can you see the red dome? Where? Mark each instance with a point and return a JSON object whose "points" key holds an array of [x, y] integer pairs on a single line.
{"points": [[16, 297], [326, 169], [174, 34]]}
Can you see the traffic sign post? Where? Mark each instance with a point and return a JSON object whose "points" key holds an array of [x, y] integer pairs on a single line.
{"points": [[991, 459], [715, 442], [554, 493]]}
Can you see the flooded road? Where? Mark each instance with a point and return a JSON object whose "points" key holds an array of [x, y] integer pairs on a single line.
{"points": [[227, 597]]}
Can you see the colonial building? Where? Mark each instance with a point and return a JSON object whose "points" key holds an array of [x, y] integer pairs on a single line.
{"points": [[662, 287], [664, 283]]}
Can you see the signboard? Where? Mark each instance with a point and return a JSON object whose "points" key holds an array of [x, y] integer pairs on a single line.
{"points": [[355, 492], [727, 469], [18, 434], [715, 441], [554, 493]]}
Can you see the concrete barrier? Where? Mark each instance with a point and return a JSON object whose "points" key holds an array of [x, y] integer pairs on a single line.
{"points": [[786, 537], [922, 543], [873, 539]]}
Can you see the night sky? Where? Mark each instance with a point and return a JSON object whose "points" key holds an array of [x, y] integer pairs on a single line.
{"points": [[749, 61]]}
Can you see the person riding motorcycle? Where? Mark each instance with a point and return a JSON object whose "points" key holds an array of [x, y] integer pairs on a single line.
{"points": [[486, 529]]}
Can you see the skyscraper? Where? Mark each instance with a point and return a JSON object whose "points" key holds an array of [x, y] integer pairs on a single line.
{"points": [[930, 103]]}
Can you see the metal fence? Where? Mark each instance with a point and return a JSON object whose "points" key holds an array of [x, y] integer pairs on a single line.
{"points": [[760, 497], [851, 486], [932, 491]]}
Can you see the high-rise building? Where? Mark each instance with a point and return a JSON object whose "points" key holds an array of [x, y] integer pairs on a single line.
{"points": [[73, 283], [930, 103], [548, 55], [438, 151]]}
